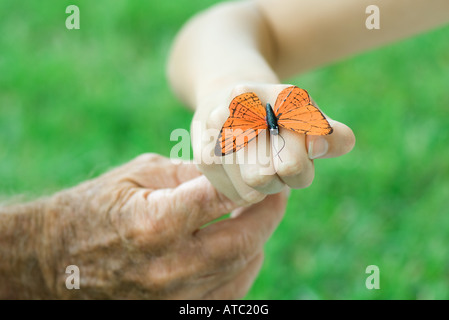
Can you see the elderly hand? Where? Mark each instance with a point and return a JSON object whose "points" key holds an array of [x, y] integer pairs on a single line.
{"points": [[139, 232]]}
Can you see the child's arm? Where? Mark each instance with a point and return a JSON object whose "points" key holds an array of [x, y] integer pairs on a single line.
{"points": [[251, 45], [261, 40], [330, 30]]}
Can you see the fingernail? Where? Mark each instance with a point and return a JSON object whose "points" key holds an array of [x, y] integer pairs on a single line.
{"points": [[318, 147]]}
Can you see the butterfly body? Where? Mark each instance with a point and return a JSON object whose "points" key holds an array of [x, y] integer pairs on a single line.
{"points": [[272, 120], [293, 110]]}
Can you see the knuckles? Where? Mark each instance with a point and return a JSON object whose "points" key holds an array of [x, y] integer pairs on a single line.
{"points": [[297, 174], [148, 158], [290, 168], [143, 221], [253, 197], [239, 89], [256, 180]]}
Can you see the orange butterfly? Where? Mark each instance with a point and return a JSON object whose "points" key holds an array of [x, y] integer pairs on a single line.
{"points": [[293, 111]]}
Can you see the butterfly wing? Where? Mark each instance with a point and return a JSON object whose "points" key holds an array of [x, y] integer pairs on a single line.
{"points": [[245, 122], [294, 111]]}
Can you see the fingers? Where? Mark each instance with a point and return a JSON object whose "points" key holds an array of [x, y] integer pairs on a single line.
{"points": [[247, 194], [217, 173], [238, 286], [338, 143], [251, 172], [247, 180], [154, 218], [219, 178], [185, 172], [293, 165], [237, 240], [154, 171], [229, 284], [256, 166], [192, 204]]}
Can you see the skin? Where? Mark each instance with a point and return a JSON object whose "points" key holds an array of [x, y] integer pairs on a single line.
{"points": [[135, 233], [246, 46]]}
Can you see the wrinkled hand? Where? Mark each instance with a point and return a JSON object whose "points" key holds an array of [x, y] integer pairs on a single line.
{"points": [[135, 233], [245, 182]]}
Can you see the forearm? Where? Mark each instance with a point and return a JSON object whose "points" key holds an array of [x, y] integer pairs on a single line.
{"points": [[219, 48], [20, 272], [268, 40], [312, 33]]}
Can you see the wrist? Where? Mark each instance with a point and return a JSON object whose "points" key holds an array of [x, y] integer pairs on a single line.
{"points": [[221, 90]]}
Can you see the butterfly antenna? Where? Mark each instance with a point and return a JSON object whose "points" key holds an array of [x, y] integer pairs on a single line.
{"points": [[278, 152]]}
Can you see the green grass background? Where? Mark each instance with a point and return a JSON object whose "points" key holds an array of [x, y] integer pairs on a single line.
{"points": [[75, 103]]}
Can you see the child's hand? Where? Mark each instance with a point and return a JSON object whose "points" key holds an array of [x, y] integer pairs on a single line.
{"points": [[248, 182]]}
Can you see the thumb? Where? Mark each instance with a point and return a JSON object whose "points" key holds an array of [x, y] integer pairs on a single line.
{"points": [[338, 143], [198, 202]]}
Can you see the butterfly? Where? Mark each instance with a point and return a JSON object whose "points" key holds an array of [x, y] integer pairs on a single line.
{"points": [[293, 111]]}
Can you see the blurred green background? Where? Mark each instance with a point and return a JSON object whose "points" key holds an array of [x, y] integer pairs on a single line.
{"points": [[75, 103]]}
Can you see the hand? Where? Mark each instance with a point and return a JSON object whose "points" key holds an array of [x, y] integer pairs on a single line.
{"points": [[249, 183], [135, 233]]}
